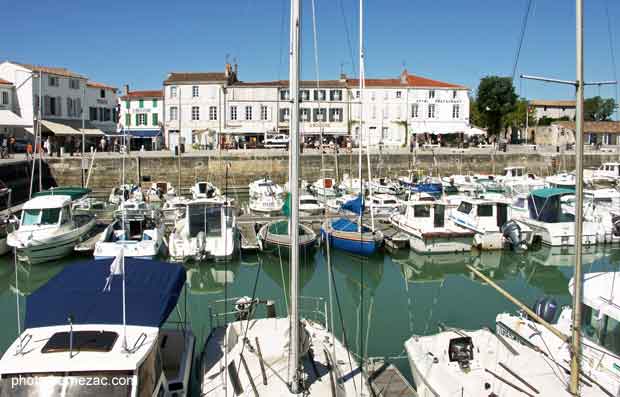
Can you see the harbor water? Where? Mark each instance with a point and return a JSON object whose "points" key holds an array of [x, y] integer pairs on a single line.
{"points": [[379, 302]]}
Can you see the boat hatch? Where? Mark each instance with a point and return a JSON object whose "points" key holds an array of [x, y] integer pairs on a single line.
{"points": [[93, 341], [461, 350]]}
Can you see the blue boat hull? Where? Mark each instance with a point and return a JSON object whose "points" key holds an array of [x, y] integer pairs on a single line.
{"points": [[351, 243]]}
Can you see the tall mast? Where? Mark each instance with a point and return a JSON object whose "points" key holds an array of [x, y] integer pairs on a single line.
{"points": [[578, 276], [294, 188], [362, 77]]}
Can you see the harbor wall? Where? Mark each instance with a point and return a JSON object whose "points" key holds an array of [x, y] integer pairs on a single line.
{"points": [[237, 170]]}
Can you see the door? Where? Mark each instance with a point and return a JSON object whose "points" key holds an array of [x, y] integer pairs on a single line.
{"points": [[502, 214], [438, 216]]}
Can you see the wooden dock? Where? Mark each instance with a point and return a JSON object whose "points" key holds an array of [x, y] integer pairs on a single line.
{"points": [[387, 381]]}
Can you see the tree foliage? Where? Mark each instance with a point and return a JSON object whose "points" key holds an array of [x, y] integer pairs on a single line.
{"points": [[495, 99], [598, 109], [516, 118]]}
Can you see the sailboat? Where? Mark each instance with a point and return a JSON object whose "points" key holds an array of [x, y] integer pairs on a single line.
{"points": [[345, 233], [519, 359], [276, 356]]}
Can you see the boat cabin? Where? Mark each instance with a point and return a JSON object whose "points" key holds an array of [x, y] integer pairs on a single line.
{"points": [[481, 215], [426, 214], [46, 211], [547, 205], [609, 170], [517, 173], [207, 217]]}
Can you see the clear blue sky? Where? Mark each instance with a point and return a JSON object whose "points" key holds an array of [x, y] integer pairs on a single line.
{"points": [[138, 42]]}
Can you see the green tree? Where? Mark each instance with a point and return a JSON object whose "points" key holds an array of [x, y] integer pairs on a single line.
{"points": [[516, 118], [495, 98], [475, 117], [598, 109]]}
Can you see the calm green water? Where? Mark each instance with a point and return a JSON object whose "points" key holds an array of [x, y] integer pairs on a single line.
{"points": [[383, 300]]}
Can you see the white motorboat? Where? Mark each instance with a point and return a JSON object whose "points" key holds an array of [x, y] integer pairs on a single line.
{"points": [[266, 204], [562, 180], [48, 229], [265, 187], [308, 204], [351, 185], [600, 317], [430, 230], [159, 192], [384, 186], [325, 188], [383, 204], [334, 205], [607, 173], [85, 346], [173, 210], [457, 362], [207, 231], [491, 221], [137, 231], [552, 221], [205, 190], [125, 192]]}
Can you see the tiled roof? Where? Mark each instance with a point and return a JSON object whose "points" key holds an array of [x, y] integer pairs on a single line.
{"points": [[4, 82], [95, 84], [175, 77], [143, 94], [593, 126], [285, 83], [51, 70], [552, 103], [409, 81]]}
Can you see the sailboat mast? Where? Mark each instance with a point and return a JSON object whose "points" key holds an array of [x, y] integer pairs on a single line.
{"points": [[361, 99], [294, 190], [578, 276]]}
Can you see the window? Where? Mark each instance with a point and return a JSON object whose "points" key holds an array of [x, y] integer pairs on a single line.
{"points": [[485, 210], [431, 111], [319, 95], [399, 94], [285, 114], [154, 103], [74, 84], [305, 114], [195, 91], [233, 113], [195, 113], [357, 94], [92, 113], [431, 94], [335, 95], [48, 216], [454, 93], [107, 114], [384, 133], [155, 119], [264, 113], [53, 81], [248, 112], [422, 211], [415, 111], [102, 93], [141, 103], [212, 113], [174, 113], [455, 111], [173, 92], [284, 95], [127, 104], [385, 112], [127, 120], [464, 207], [335, 114], [5, 98], [305, 95], [319, 114], [141, 119]]}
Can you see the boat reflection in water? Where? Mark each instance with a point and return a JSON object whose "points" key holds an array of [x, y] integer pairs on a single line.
{"points": [[278, 270], [210, 278]]}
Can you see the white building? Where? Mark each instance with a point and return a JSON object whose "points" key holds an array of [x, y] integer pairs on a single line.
{"points": [[553, 109], [10, 120], [142, 116], [66, 96], [194, 107]]}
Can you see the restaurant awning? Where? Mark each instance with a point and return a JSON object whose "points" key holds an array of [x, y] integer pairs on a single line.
{"points": [[10, 119], [143, 133], [59, 129]]}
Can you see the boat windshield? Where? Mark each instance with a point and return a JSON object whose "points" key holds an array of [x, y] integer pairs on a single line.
{"points": [[204, 218], [112, 383], [601, 329], [37, 216]]}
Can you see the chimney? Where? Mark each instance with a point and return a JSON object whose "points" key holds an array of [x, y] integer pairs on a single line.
{"points": [[236, 69], [343, 77], [227, 71], [404, 76], [126, 89]]}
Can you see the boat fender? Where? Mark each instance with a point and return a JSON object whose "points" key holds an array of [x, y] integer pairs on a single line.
{"points": [[546, 307]]}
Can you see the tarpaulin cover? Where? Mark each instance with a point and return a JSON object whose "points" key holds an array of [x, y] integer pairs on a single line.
{"points": [[356, 205], [345, 225], [152, 292]]}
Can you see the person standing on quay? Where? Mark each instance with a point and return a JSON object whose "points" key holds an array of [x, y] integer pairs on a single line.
{"points": [[102, 144]]}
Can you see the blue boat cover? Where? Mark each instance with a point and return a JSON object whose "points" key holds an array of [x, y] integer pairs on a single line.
{"points": [[345, 225], [152, 289], [356, 205]]}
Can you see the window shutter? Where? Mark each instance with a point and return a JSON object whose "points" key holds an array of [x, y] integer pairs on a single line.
{"points": [[69, 109], [78, 107], [127, 104], [137, 119], [58, 106], [155, 119], [154, 103], [127, 120], [141, 103]]}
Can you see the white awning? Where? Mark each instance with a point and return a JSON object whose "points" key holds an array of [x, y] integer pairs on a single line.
{"points": [[91, 131], [10, 119], [59, 129], [475, 131]]}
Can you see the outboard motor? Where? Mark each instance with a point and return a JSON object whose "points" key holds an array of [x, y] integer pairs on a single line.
{"points": [[546, 307], [615, 222], [512, 233]]}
